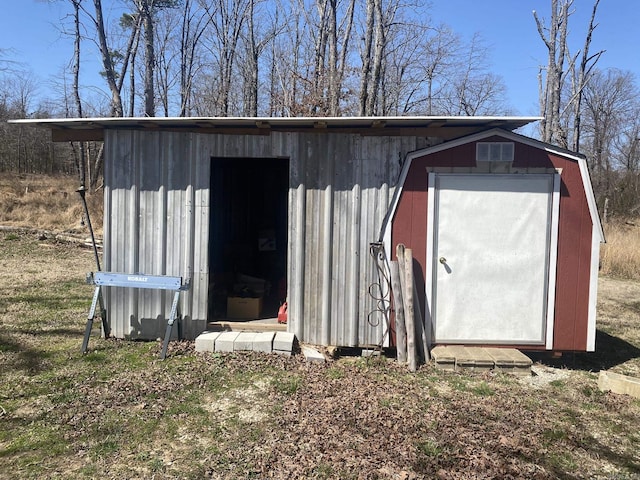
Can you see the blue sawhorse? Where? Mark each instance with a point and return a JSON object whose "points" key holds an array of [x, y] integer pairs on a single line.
{"points": [[129, 280]]}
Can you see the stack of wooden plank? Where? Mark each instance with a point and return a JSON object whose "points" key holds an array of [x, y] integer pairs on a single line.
{"points": [[412, 338]]}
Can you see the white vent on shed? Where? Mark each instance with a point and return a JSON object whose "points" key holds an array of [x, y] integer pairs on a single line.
{"points": [[494, 151]]}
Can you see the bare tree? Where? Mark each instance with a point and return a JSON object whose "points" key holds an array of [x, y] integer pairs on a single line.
{"points": [[337, 52], [366, 55], [380, 43], [113, 77], [476, 91], [378, 22], [440, 51], [80, 150], [581, 77], [403, 80], [227, 19], [254, 42], [555, 39], [167, 59], [609, 101], [4, 62], [194, 24], [287, 75], [107, 62], [145, 10], [332, 26]]}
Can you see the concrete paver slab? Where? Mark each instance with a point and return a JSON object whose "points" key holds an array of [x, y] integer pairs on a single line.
{"points": [[501, 357], [482, 361], [617, 383], [443, 358], [459, 357], [313, 355]]}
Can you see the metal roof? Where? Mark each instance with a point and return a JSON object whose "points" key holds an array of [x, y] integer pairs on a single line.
{"points": [[67, 129]]}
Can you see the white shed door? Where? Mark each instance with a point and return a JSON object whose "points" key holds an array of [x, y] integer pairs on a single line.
{"points": [[491, 258]]}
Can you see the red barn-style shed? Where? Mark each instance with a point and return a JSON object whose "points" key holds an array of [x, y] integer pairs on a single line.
{"points": [[505, 235]]}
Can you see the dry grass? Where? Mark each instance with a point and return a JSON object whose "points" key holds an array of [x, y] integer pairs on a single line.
{"points": [[620, 256], [46, 203]]}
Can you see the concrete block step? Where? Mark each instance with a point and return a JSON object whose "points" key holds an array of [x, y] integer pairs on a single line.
{"points": [[284, 342], [206, 342], [225, 341], [245, 341], [263, 342]]}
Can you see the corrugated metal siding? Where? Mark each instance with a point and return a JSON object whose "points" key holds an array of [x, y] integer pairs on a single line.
{"points": [[157, 222], [156, 197]]}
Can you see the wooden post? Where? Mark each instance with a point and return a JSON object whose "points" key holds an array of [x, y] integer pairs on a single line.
{"points": [[407, 295], [421, 332], [401, 329]]}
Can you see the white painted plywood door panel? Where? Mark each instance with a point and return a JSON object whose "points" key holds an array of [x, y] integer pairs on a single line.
{"points": [[491, 258]]}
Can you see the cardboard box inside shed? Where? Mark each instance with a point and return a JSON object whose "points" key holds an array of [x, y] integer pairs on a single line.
{"points": [[244, 308]]}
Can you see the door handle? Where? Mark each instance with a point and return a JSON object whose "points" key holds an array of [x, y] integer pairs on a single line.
{"points": [[443, 260]]}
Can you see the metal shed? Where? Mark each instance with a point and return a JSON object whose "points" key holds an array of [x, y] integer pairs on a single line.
{"points": [[294, 203]]}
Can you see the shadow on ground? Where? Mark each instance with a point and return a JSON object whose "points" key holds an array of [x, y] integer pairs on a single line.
{"points": [[610, 352], [22, 357]]}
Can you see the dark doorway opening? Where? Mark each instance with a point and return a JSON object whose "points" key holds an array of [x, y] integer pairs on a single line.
{"points": [[248, 237]]}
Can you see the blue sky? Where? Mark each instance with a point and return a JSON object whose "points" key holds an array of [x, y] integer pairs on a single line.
{"points": [[509, 29], [30, 32]]}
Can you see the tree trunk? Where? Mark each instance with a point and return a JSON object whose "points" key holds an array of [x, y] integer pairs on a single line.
{"points": [[556, 43], [250, 103], [146, 10], [132, 76], [333, 94], [76, 88], [190, 37], [366, 59], [586, 65], [116, 101], [344, 49], [317, 105], [378, 54]]}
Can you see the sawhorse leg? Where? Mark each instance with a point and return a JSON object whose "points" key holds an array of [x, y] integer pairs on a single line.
{"points": [[170, 322], [92, 314]]}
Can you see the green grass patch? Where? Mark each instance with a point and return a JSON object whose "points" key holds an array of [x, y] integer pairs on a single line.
{"points": [[458, 382], [552, 435], [39, 437], [483, 390], [563, 461], [430, 448], [335, 373], [288, 385]]}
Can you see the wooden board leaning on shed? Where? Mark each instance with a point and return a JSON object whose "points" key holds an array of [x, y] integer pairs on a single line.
{"points": [[412, 339]]}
